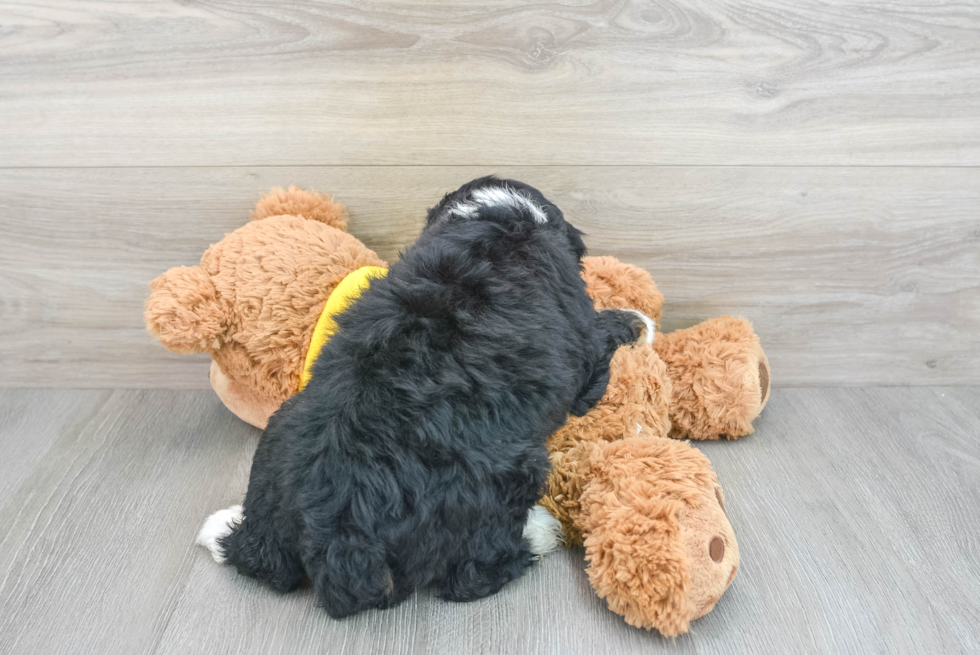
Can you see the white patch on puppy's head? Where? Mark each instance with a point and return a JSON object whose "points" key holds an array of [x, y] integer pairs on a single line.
{"points": [[464, 210], [492, 196]]}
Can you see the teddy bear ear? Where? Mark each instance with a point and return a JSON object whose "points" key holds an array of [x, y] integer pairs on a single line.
{"points": [[300, 202], [613, 284], [638, 563], [183, 310]]}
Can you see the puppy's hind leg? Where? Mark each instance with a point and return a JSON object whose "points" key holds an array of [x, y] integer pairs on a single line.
{"points": [[218, 526], [494, 558], [258, 549], [255, 538], [351, 575]]}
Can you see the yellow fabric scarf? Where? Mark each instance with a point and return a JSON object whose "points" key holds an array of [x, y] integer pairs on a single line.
{"points": [[343, 296]]}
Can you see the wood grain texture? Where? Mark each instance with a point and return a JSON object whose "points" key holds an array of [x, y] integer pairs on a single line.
{"points": [[98, 539], [31, 422], [249, 82], [850, 275], [857, 513]]}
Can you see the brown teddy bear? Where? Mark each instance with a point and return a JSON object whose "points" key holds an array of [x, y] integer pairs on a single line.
{"points": [[255, 299], [648, 509]]}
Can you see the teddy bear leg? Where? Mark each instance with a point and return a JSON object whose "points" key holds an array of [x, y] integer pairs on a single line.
{"points": [[299, 202], [659, 545], [720, 378], [638, 565]]}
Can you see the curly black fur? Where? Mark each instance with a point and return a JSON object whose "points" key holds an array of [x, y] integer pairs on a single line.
{"points": [[418, 447]]}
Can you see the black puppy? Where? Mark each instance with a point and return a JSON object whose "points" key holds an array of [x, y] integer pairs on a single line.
{"points": [[416, 451]]}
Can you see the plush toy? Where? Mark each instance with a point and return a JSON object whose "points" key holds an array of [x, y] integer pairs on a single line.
{"points": [[256, 298], [648, 509], [718, 370]]}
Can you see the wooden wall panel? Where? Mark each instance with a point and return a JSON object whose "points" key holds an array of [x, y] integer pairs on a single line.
{"points": [[249, 82], [850, 275]]}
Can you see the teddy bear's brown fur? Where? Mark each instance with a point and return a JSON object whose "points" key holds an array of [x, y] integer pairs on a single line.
{"points": [[254, 300], [718, 370], [648, 509], [645, 507]]}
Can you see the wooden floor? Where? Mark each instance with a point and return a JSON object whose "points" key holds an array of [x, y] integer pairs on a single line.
{"points": [[857, 513]]}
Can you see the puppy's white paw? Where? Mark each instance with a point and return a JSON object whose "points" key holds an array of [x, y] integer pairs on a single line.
{"points": [[649, 326], [219, 524], [542, 531]]}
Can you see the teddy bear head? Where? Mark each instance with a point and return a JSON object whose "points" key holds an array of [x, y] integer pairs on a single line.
{"points": [[253, 301]]}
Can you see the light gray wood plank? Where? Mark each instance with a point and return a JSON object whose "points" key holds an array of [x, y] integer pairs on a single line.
{"points": [[552, 609], [495, 83], [31, 421], [851, 275], [856, 512], [98, 539]]}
